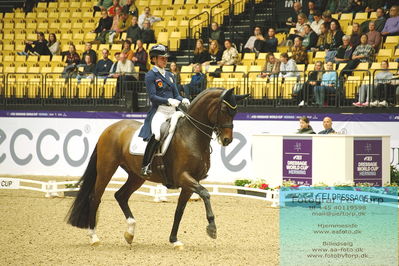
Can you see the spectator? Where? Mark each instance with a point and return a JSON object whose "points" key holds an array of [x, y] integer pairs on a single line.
{"points": [[115, 64], [312, 10], [38, 47], [325, 39], [309, 39], [112, 9], [293, 16], [230, 55], [124, 22], [201, 55], [126, 77], [336, 35], [344, 52], [383, 88], [299, 53], [197, 83], [331, 6], [363, 53], [146, 16], [373, 5], [215, 54], [356, 33], [255, 42], [89, 51], [316, 24], [103, 67], [299, 28], [72, 59], [271, 42], [89, 69], [357, 6], [327, 18], [115, 23], [140, 57], [147, 34], [102, 5], [304, 126], [314, 79], [175, 73], [133, 33], [288, 67], [217, 34], [130, 8], [127, 49], [374, 37], [271, 67], [104, 26], [327, 124], [124, 65], [53, 44], [391, 27], [327, 85], [380, 21], [343, 6]]}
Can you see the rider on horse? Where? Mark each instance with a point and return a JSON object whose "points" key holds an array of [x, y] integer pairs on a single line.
{"points": [[164, 96]]}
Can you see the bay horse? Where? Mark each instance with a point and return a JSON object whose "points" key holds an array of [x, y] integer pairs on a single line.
{"points": [[186, 161]]}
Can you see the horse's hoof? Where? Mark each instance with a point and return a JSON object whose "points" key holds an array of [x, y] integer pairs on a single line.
{"points": [[128, 237], [178, 245], [95, 243], [211, 230]]}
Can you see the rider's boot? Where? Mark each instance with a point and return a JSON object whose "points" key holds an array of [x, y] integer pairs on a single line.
{"points": [[152, 146]]}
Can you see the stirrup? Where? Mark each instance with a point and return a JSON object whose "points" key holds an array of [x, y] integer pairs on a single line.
{"points": [[146, 171]]}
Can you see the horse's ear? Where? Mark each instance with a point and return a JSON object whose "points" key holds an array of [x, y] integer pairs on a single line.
{"points": [[228, 93], [241, 97]]}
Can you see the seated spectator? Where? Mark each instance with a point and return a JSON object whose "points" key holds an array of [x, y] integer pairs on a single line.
{"points": [[146, 16], [174, 69], [305, 96], [391, 27], [288, 67], [363, 53], [201, 55], [140, 57], [127, 49], [336, 35], [300, 27], [304, 126], [115, 64], [215, 54], [103, 66], [115, 22], [327, 124], [271, 67], [53, 44], [104, 26], [309, 39], [217, 34], [316, 24], [147, 34], [130, 8], [344, 52], [343, 6], [133, 33], [90, 52], [357, 6], [230, 55], [124, 65], [383, 89], [381, 20], [311, 10], [325, 39], [102, 5], [327, 17], [124, 22], [270, 43], [112, 9], [355, 36], [72, 59], [293, 16], [126, 77], [38, 47], [327, 85], [299, 53], [374, 37], [89, 69], [373, 5], [255, 42], [197, 83]]}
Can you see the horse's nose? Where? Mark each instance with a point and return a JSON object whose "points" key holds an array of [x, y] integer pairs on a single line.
{"points": [[227, 141]]}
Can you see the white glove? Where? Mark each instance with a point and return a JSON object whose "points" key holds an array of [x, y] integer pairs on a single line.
{"points": [[185, 101], [173, 102]]}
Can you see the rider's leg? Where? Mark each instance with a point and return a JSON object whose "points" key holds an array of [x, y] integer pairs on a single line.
{"points": [[152, 146]]}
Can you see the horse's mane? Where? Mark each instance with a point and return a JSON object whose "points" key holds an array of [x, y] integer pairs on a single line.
{"points": [[204, 93]]}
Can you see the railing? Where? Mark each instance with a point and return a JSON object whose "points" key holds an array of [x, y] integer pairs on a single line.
{"points": [[195, 26], [219, 10]]}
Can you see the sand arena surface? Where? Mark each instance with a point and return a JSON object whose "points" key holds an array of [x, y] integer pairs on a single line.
{"points": [[33, 232]]}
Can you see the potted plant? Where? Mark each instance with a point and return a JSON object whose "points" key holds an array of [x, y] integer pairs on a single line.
{"points": [[259, 184]]}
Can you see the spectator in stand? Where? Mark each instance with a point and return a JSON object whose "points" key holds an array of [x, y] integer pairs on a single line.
{"points": [[304, 126], [331, 6], [90, 52], [53, 44], [124, 22], [104, 26], [324, 40], [201, 55], [310, 38], [336, 35], [374, 37], [355, 36], [327, 124], [230, 55], [314, 79], [197, 83], [288, 67], [380, 21], [255, 42], [327, 18], [215, 54], [217, 34], [373, 5], [133, 33], [103, 66], [344, 52], [115, 64], [299, 53], [127, 49], [112, 9], [130, 8], [312, 10], [270, 42], [391, 27], [140, 57], [293, 16], [316, 24], [363, 53], [357, 6], [102, 5], [72, 59], [174, 70], [327, 85], [343, 6], [146, 16], [125, 73], [89, 69], [38, 47], [299, 28], [115, 22], [147, 34], [271, 67]]}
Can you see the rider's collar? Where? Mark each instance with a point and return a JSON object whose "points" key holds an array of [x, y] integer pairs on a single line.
{"points": [[160, 70]]}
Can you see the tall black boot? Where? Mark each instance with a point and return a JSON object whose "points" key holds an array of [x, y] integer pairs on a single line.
{"points": [[152, 146]]}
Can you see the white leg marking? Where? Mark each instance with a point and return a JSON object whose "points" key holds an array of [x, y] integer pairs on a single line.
{"points": [[178, 245], [131, 225], [94, 240]]}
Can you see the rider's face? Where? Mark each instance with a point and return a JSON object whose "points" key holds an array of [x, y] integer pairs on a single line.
{"points": [[161, 61]]}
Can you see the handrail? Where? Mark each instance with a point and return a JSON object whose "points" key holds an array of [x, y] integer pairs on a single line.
{"points": [[190, 35]]}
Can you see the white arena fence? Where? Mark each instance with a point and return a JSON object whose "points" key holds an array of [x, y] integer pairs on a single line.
{"points": [[158, 192]]}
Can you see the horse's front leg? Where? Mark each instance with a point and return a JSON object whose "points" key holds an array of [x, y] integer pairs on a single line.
{"points": [[181, 205]]}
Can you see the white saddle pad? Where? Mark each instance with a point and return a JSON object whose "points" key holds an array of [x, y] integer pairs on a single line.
{"points": [[137, 144]]}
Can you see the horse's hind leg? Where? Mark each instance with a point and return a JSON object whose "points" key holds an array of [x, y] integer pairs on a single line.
{"points": [[133, 183]]}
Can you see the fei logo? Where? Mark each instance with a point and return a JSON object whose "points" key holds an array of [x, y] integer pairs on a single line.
{"points": [[368, 158], [297, 157]]}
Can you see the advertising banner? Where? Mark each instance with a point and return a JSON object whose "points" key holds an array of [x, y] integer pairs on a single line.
{"points": [[297, 160], [367, 161]]}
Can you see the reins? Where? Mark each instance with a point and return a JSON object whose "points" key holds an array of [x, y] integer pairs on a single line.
{"points": [[192, 120]]}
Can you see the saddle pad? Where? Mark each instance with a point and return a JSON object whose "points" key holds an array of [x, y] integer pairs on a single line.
{"points": [[137, 144]]}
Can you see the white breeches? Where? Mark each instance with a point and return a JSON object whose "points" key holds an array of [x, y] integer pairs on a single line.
{"points": [[163, 113]]}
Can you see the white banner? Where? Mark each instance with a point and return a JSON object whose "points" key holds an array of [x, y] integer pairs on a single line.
{"points": [[62, 146]]}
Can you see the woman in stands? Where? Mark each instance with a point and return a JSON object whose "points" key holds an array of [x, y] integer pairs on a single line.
{"points": [[344, 52], [140, 57], [201, 55], [175, 71], [230, 55], [272, 66], [53, 44], [363, 53], [314, 79], [215, 54], [327, 85], [72, 59], [336, 35], [324, 40], [304, 126], [288, 67], [127, 49]]}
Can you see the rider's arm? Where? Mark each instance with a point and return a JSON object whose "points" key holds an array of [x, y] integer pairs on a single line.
{"points": [[151, 90]]}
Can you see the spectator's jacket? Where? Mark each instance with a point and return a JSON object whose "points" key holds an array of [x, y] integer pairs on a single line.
{"points": [[134, 33], [327, 131], [148, 36], [123, 25], [230, 56], [92, 54], [198, 81], [300, 55], [41, 48], [103, 67], [308, 130], [104, 24], [392, 25], [151, 19], [288, 69]]}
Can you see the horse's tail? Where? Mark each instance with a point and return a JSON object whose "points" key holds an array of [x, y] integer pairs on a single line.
{"points": [[78, 215]]}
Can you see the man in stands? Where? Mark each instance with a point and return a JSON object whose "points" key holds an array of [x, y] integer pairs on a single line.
{"points": [[317, 22], [270, 42], [255, 42], [391, 27], [134, 32], [39, 46], [104, 65], [147, 34], [89, 69], [299, 53], [90, 52], [328, 18], [104, 25], [147, 16], [310, 38], [380, 21], [294, 12], [130, 8], [327, 124], [197, 83], [216, 34]]}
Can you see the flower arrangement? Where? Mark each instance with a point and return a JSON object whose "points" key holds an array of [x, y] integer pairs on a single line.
{"points": [[258, 183]]}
